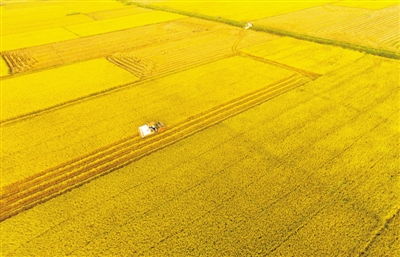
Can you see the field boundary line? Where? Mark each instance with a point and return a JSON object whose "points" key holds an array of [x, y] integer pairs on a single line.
{"points": [[86, 36], [280, 32], [311, 75]]}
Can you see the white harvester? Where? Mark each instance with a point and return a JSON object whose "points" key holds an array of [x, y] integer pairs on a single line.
{"points": [[151, 128]]}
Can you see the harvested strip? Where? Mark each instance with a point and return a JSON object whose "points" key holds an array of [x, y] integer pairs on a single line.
{"points": [[15, 203], [188, 52], [139, 67], [66, 52], [19, 61]]}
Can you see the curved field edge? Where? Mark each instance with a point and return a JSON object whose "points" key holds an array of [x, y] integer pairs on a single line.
{"points": [[280, 32], [389, 224], [4, 67]]}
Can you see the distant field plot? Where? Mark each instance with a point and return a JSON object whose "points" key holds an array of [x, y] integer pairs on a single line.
{"points": [[70, 51], [136, 20], [304, 55], [48, 139], [33, 92], [52, 8], [25, 16], [61, 28], [37, 25], [370, 28], [27, 39], [366, 4], [20, 20], [115, 13], [236, 10], [164, 58]]}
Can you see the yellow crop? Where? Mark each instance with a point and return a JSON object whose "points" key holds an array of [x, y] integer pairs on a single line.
{"points": [[367, 4], [49, 9], [52, 15], [370, 28], [40, 90], [31, 26], [98, 46], [238, 10], [197, 49], [304, 55], [274, 145], [103, 26], [27, 39], [4, 69], [58, 27], [75, 130], [233, 190], [115, 13]]}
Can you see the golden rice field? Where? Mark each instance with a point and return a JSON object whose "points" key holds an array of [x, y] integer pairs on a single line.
{"points": [[371, 28], [281, 139]]}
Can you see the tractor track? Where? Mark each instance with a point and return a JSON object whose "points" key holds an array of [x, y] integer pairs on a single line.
{"points": [[45, 185]]}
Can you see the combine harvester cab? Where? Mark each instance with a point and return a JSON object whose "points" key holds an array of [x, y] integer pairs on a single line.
{"points": [[151, 128]]}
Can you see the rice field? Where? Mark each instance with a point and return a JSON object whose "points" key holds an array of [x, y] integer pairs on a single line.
{"points": [[236, 10], [50, 28], [86, 48], [281, 139], [94, 119], [28, 94], [307, 56], [371, 28]]}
